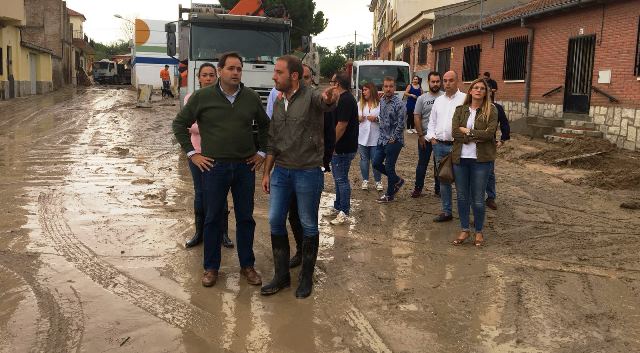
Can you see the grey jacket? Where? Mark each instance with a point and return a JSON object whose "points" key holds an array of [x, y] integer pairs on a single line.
{"points": [[296, 136]]}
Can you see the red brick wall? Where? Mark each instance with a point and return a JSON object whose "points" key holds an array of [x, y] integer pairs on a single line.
{"points": [[412, 42], [616, 40]]}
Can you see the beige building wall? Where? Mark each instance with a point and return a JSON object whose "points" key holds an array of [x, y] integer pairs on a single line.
{"points": [[408, 9], [12, 11], [76, 21]]}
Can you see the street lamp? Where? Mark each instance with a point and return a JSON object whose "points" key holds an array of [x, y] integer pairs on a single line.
{"points": [[122, 18]]}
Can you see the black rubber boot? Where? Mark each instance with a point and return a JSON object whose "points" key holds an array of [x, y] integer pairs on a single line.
{"points": [[226, 242], [281, 277], [296, 229], [197, 238], [309, 256]]}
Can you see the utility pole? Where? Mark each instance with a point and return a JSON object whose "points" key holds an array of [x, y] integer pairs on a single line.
{"points": [[355, 45]]}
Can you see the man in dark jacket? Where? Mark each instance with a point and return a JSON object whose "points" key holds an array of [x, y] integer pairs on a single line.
{"points": [[225, 113], [505, 130], [296, 149]]}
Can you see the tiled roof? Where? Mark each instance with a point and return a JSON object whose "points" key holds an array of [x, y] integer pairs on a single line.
{"points": [[534, 7], [75, 13]]}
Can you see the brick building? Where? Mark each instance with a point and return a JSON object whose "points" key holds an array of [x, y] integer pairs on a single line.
{"points": [[557, 59], [402, 28], [49, 27]]}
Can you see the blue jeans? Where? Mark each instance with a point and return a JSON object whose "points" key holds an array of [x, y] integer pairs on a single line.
{"points": [[367, 154], [441, 150], [196, 174], [216, 183], [491, 184], [306, 185], [340, 165], [424, 154], [385, 160], [471, 184]]}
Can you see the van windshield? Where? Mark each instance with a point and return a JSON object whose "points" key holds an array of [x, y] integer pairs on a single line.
{"points": [[376, 74]]}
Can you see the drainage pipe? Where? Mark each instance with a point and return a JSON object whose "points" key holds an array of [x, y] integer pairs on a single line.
{"points": [[529, 64]]}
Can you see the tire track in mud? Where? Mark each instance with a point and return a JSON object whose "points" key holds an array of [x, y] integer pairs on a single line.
{"points": [[159, 304], [59, 328]]}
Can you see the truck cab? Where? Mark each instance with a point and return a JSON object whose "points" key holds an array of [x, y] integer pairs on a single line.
{"points": [[208, 32], [375, 71]]}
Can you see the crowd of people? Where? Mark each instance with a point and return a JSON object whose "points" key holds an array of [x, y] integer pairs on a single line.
{"points": [[305, 132]]}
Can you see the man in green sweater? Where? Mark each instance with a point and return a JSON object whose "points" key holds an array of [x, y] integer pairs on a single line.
{"points": [[225, 113]]}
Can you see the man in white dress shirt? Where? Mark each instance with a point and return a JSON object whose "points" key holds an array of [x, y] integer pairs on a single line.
{"points": [[439, 133]]}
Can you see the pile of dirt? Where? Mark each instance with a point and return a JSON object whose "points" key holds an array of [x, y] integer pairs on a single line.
{"points": [[579, 146], [610, 167]]}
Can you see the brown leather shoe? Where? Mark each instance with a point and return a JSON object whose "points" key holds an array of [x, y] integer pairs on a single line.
{"points": [[251, 275], [209, 278], [491, 203]]}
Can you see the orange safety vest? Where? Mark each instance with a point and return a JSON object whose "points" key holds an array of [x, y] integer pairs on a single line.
{"points": [[183, 78], [164, 75]]}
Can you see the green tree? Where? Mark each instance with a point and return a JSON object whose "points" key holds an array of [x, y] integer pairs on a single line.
{"points": [[331, 63], [306, 21], [322, 51], [347, 50], [106, 51]]}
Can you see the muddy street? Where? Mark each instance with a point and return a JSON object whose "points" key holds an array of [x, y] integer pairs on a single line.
{"points": [[97, 203]]}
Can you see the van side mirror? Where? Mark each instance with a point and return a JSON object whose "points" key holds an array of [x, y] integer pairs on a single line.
{"points": [[170, 28], [305, 43]]}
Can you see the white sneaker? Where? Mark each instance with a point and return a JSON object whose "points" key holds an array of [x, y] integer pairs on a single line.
{"points": [[365, 185], [379, 186], [341, 218], [415, 131], [333, 212], [409, 131]]}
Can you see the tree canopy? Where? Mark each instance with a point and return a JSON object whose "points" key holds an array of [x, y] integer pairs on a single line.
{"points": [[306, 21], [106, 51]]}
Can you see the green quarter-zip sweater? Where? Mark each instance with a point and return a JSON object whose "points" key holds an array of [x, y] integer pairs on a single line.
{"points": [[226, 128]]}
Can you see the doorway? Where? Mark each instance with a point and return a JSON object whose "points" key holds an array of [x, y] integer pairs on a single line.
{"points": [[577, 91]]}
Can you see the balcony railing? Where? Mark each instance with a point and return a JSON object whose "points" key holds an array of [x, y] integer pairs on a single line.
{"points": [[78, 34]]}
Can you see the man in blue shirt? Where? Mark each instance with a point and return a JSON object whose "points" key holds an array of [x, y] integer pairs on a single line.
{"points": [[391, 140]]}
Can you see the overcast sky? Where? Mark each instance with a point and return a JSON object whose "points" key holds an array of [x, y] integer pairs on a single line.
{"points": [[345, 17]]}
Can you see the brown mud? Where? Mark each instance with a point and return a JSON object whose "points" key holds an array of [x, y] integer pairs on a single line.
{"points": [[97, 203]]}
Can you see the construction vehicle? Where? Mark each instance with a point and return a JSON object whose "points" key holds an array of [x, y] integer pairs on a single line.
{"points": [[260, 36], [375, 71], [108, 71]]}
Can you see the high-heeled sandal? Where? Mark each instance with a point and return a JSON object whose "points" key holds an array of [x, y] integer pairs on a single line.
{"points": [[460, 240], [479, 242]]}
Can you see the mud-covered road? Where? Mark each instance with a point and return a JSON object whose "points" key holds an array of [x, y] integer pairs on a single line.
{"points": [[96, 204]]}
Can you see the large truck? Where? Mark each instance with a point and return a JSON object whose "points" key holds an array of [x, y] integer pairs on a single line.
{"points": [[375, 71], [209, 31], [108, 71]]}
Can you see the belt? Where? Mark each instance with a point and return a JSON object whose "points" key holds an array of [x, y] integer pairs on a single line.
{"points": [[445, 142]]}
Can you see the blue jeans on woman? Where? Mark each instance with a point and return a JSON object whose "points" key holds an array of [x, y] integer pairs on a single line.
{"points": [[340, 165], [216, 183], [196, 174], [306, 185], [367, 154], [471, 184], [385, 162]]}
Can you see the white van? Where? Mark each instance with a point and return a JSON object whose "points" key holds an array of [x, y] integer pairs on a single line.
{"points": [[375, 71]]}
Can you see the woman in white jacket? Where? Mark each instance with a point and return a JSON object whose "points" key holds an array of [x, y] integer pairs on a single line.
{"points": [[368, 111]]}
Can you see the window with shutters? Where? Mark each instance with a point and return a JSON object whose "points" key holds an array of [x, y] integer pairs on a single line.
{"points": [[422, 53], [471, 63], [443, 62], [515, 58]]}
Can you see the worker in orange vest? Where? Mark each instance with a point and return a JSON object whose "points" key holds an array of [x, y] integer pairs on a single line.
{"points": [[182, 69], [165, 76]]}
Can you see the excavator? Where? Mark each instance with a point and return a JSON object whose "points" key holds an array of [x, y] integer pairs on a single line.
{"points": [[259, 35]]}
